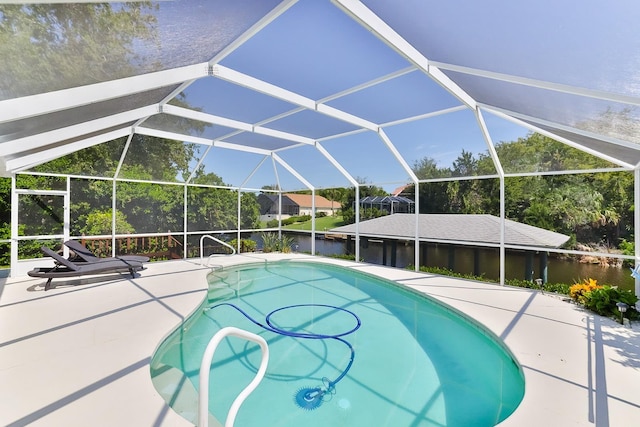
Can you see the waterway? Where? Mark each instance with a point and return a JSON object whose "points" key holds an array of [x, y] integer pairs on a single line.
{"points": [[439, 255]]}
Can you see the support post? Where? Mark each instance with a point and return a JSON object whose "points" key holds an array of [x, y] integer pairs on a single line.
{"points": [[384, 252], [15, 202], [528, 266], [476, 261], [394, 252], [636, 227], [423, 252], [543, 266], [452, 257]]}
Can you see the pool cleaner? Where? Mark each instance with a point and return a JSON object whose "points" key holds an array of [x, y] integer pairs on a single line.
{"points": [[308, 398]]}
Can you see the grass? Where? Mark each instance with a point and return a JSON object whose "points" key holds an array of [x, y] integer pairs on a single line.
{"points": [[322, 224]]}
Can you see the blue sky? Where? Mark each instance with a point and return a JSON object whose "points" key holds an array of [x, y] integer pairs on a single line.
{"points": [[316, 50], [304, 52]]}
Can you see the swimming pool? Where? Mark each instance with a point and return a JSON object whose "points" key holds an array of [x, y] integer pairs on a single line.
{"points": [[402, 359]]}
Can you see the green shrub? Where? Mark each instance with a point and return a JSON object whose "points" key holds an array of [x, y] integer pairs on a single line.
{"points": [[602, 300], [272, 223], [246, 245], [558, 288], [350, 257], [100, 222], [271, 242], [446, 272], [289, 221], [284, 244], [627, 248]]}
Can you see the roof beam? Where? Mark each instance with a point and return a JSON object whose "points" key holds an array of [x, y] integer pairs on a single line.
{"points": [[34, 142], [349, 91], [294, 172], [141, 130], [198, 140], [241, 79], [243, 148], [424, 116], [283, 135], [399, 158], [541, 84], [519, 119], [31, 160], [197, 166], [489, 141], [244, 80], [253, 172], [263, 22], [205, 117], [370, 83], [384, 32], [235, 124], [336, 164], [35, 105]]}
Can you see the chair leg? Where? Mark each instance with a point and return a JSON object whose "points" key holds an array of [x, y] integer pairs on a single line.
{"points": [[47, 286]]}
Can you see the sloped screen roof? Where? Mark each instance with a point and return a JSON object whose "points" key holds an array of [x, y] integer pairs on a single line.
{"points": [[369, 86]]}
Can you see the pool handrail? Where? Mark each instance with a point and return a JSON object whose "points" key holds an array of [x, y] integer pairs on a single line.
{"points": [[205, 366], [207, 236]]}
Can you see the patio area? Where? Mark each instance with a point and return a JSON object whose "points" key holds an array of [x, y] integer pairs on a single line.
{"points": [[79, 354]]}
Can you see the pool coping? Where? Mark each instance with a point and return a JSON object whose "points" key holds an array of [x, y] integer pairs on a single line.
{"points": [[93, 339]]}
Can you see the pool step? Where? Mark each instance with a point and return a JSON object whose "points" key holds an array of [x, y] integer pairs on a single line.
{"points": [[175, 388]]}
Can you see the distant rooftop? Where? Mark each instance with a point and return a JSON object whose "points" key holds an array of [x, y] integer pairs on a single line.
{"points": [[307, 200], [304, 200], [457, 227]]}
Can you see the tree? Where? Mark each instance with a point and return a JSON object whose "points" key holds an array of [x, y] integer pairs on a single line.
{"points": [[151, 208], [594, 208], [212, 208], [5, 208], [349, 201], [465, 165], [158, 159], [427, 168], [273, 187], [100, 223], [334, 195], [249, 211]]}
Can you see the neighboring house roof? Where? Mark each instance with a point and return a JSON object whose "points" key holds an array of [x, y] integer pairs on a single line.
{"points": [[305, 200], [457, 227], [400, 190]]}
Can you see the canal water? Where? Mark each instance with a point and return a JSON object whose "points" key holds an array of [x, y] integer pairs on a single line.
{"points": [[438, 255]]}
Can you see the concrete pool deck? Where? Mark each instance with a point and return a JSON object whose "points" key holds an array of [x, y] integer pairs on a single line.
{"points": [[79, 353]]}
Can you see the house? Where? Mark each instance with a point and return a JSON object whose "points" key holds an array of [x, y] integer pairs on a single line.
{"points": [[294, 205], [389, 204]]}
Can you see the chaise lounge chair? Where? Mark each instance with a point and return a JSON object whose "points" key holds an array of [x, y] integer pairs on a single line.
{"points": [[67, 268], [87, 256]]}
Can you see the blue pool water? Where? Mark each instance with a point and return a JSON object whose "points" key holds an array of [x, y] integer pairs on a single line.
{"points": [[410, 362]]}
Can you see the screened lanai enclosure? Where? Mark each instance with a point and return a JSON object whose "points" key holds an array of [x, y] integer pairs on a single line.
{"points": [[162, 122]]}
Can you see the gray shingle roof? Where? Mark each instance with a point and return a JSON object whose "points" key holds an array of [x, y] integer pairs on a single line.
{"points": [[457, 227]]}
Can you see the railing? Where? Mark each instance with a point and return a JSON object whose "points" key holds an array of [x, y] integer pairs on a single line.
{"points": [[158, 246], [216, 240], [205, 366]]}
